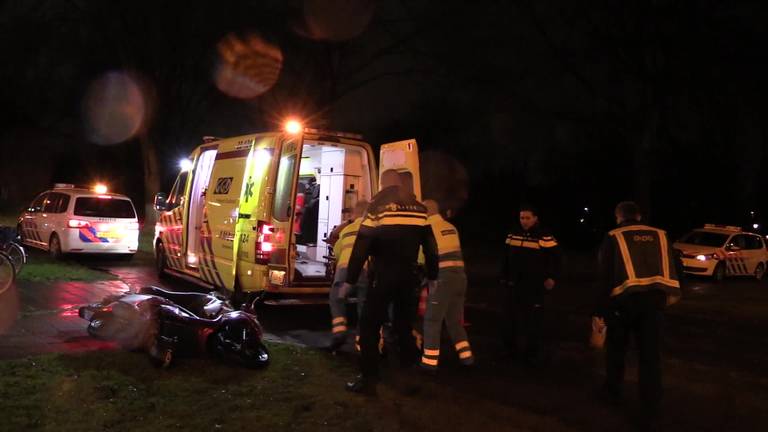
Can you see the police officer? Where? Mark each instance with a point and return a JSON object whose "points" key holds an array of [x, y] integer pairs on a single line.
{"points": [[342, 249], [446, 300], [391, 232], [638, 279], [530, 271]]}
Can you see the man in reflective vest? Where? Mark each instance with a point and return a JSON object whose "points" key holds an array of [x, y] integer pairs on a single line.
{"points": [[342, 249], [531, 267], [446, 300], [638, 279], [391, 232]]}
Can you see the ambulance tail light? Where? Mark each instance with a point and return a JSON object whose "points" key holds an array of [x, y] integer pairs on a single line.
{"points": [[264, 232], [77, 223]]}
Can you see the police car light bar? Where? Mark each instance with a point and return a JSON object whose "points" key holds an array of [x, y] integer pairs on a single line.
{"points": [[332, 133], [722, 227], [63, 186]]}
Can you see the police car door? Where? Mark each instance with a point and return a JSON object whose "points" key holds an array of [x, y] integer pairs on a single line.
{"points": [[753, 252], [403, 157], [29, 229], [735, 259]]}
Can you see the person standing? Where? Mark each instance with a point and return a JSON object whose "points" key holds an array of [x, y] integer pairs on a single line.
{"points": [[393, 229], [638, 278], [342, 250], [531, 269], [446, 300]]}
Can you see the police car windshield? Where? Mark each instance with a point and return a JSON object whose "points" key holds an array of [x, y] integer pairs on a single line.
{"points": [[704, 238], [104, 207]]}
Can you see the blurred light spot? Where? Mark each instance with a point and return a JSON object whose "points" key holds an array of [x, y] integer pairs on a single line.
{"points": [[292, 126], [185, 164], [336, 20], [755, 226], [115, 109], [248, 66]]}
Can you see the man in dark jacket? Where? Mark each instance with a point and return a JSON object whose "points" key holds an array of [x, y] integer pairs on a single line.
{"points": [[638, 279], [530, 271], [393, 229]]}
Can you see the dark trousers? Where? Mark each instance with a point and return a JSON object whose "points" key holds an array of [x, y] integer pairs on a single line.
{"points": [[391, 286], [525, 323], [637, 316]]}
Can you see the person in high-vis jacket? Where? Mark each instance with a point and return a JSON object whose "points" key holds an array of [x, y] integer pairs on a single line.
{"points": [[393, 229], [342, 250], [530, 271], [445, 302], [638, 279]]}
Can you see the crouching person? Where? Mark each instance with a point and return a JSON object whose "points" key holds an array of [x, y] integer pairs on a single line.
{"points": [[342, 249]]}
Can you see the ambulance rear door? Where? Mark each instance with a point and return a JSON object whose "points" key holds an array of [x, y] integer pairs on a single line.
{"points": [[222, 211], [403, 157], [283, 211]]}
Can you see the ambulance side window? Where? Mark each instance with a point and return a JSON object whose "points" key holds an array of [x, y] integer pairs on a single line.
{"points": [[178, 192], [282, 207]]}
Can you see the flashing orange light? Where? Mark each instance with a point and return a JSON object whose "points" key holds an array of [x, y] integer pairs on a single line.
{"points": [[293, 126], [100, 188]]}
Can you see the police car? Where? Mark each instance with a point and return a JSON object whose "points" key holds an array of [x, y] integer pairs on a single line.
{"points": [[67, 219], [720, 251]]}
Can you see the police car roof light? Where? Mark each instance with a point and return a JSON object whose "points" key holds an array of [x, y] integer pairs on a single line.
{"points": [[722, 227], [63, 186]]}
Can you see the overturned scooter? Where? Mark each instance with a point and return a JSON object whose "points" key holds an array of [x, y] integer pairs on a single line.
{"points": [[168, 324]]}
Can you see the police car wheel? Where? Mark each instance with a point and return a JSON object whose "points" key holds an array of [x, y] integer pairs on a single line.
{"points": [[54, 247], [760, 271], [719, 273]]}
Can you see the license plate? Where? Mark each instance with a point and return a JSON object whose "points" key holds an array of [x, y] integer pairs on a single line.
{"points": [[109, 234], [277, 277]]}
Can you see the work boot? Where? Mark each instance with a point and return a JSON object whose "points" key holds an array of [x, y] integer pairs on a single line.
{"points": [[362, 385]]}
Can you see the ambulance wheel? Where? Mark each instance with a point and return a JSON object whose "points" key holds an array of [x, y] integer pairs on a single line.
{"points": [[160, 260], [54, 247], [719, 273], [760, 271]]}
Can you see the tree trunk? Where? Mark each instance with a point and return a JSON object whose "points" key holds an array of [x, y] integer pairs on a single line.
{"points": [[151, 178]]}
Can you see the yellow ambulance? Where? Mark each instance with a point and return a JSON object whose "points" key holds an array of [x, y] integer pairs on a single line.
{"points": [[251, 213]]}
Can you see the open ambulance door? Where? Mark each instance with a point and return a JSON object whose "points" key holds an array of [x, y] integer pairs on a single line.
{"points": [[403, 157], [283, 211]]}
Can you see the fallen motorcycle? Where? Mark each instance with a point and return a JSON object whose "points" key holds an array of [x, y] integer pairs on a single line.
{"points": [[168, 324]]}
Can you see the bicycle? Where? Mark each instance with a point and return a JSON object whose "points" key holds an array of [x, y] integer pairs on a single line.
{"points": [[7, 272], [14, 251]]}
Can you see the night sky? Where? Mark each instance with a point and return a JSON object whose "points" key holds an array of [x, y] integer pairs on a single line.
{"points": [[567, 105]]}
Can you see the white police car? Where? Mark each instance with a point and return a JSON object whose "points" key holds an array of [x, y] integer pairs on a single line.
{"points": [[67, 219], [720, 251]]}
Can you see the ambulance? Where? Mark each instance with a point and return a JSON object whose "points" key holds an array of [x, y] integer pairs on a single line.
{"points": [[720, 250], [251, 214]]}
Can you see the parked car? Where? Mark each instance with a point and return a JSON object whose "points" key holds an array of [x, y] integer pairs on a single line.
{"points": [[719, 251], [67, 219]]}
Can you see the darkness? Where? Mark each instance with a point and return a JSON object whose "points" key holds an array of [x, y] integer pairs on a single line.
{"points": [[566, 105]]}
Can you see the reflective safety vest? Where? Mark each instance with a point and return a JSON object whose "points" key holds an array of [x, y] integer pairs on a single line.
{"points": [[646, 262], [342, 249], [448, 244]]}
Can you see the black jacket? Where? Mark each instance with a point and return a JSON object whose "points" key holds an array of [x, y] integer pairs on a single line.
{"points": [[531, 257], [636, 258], [393, 229]]}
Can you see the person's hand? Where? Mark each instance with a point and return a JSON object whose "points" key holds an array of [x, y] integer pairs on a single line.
{"points": [[344, 290], [432, 286], [549, 284]]}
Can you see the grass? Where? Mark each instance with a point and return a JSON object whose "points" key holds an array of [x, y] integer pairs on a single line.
{"points": [[300, 390]]}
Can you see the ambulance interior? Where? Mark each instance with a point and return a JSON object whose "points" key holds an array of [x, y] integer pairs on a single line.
{"points": [[332, 178]]}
